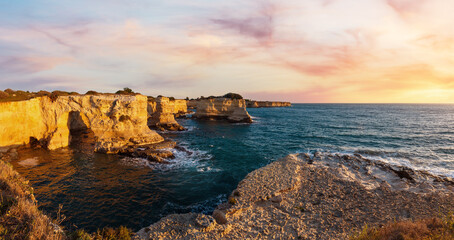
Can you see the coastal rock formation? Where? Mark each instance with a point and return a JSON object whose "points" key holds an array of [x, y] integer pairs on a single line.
{"points": [[233, 110], [266, 104], [162, 113], [314, 197], [115, 121], [180, 107]]}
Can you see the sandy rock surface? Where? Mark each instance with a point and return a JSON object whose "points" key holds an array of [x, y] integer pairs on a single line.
{"points": [[314, 197]]}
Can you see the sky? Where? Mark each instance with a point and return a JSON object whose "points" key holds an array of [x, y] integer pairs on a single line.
{"points": [[303, 51]]}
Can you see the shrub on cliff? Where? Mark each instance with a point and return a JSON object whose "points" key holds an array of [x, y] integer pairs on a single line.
{"points": [[233, 96], [9, 91], [121, 233], [42, 93], [91, 92], [433, 228], [3, 95], [125, 91]]}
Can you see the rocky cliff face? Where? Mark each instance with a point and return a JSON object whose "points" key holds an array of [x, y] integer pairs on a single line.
{"points": [[116, 121], [314, 197], [162, 113], [233, 110], [267, 104]]}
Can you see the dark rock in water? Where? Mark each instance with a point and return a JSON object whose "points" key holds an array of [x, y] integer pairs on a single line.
{"points": [[153, 152], [404, 173], [182, 149], [169, 127]]}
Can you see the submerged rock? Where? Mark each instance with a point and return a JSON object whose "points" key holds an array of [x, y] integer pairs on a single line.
{"points": [[152, 152]]}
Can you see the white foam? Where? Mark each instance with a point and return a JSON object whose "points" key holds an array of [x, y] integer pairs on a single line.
{"points": [[182, 160], [395, 159], [29, 162]]}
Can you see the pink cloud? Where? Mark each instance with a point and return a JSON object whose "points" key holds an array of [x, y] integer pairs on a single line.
{"points": [[30, 64], [404, 7]]}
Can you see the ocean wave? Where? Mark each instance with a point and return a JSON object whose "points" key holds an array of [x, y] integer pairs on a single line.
{"points": [[184, 158], [399, 159]]}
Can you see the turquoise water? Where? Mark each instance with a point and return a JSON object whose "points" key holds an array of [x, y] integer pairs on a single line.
{"points": [[99, 190]]}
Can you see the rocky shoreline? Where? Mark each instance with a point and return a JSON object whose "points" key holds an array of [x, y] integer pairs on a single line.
{"points": [[322, 196]]}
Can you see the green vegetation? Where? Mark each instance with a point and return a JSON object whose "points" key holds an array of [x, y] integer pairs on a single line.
{"points": [[91, 92], [121, 233], [126, 91], [228, 95], [430, 229], [233, 96], [9, 95]]}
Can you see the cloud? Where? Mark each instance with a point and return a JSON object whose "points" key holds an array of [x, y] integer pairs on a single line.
{"points": [[29, 64], [405, 7], [258, 25]]}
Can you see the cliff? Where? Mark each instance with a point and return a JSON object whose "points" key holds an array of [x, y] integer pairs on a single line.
{"points": [[115, 121], [266, 104], [162, 113], [233, 110], [314, 197]]}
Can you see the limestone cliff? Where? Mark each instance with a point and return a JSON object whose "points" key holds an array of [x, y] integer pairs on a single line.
{"points": [[233, 110], [115, 120], [266, 104], [180, 106], [314, 197], [162, 113]]}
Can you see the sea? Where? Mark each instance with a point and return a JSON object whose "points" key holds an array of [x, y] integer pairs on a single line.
{"points": [[98, 190]]}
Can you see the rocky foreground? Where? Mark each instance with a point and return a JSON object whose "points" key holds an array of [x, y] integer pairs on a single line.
{"points": [[314, 197]]}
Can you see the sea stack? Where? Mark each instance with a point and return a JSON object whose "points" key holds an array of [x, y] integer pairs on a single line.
{"points": [[222, 108], [162, 112]]}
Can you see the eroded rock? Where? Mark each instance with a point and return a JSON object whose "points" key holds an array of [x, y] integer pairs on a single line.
{"points": [[328, 199], [113, 119], [233, 110]]}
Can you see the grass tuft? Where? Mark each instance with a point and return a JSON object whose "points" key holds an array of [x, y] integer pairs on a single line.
{"points": [[19, 215], [429, 229]]}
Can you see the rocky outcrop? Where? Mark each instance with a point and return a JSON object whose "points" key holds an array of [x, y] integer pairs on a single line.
{"points": [[180, 107], [192, 104], [314, 197], [162, 113], [116, 121], [233, 110], [266, 104]]}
